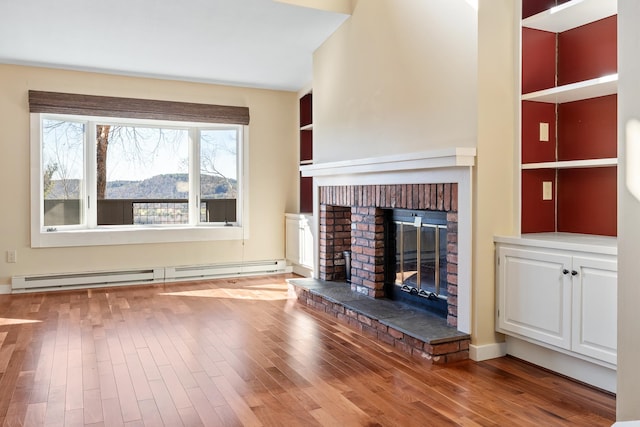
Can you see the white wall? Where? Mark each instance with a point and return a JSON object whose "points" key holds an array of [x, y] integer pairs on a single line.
{"points": [[495, 179], [399, 76], [628, 393], [272, 171], [405, 76]]}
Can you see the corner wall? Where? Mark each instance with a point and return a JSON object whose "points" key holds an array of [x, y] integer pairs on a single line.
{"points": [[272, 173], [495, 179], [628, 393]]}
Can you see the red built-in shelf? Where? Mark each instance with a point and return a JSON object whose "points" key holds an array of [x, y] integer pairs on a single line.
{"points": [[532, 7], [306, 110], [306, 194], [588, 51], [569, 66], [581, 54], [587, 201], [306, 151], [538, 60], [588, 129], [538, 215], [534, 150], [306, 145]]}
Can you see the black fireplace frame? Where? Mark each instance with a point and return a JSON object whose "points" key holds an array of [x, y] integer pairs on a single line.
{"points": [[437, 304]]}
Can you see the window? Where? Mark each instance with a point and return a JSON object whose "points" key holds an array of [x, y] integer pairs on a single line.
{"points": [[104, 180], [62, 172], [142, 175]]}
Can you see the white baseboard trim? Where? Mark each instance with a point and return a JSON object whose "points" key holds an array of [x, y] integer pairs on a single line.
{"points": [[479, 353], [302, 270], [564, 364], [5, 289]]}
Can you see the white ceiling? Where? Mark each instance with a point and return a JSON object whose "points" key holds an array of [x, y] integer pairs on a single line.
{"points": [[255, 43]]}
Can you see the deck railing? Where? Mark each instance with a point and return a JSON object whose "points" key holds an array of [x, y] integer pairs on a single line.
{"points": [[140, 211]]}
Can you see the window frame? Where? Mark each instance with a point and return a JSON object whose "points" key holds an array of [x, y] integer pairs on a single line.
{"points": [[90, 234]]}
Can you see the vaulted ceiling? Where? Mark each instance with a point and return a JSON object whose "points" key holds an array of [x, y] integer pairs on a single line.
{"points": [[255, 43]]}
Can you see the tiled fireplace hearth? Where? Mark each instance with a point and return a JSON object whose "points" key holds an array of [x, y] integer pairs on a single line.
{"points": [[351, 218]]}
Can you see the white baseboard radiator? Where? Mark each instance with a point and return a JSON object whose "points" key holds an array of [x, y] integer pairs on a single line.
{"points": [[195, 272], [61, 281]]}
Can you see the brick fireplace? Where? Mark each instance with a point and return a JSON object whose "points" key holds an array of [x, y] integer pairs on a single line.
{"points": [[350, 197], [351, 218]]}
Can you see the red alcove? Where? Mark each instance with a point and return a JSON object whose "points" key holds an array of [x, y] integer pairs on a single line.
{"points": [[306, 110], [534, 150], [306, 194], [587, 200], [588, 129], [538, 60], [537, 215], [306, 145], [588, 51]]}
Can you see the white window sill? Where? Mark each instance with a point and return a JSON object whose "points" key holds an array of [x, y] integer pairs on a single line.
{"points": [[135, 235]]}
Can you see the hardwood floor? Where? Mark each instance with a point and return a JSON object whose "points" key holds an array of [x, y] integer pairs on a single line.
{"points": [[239, 352]]}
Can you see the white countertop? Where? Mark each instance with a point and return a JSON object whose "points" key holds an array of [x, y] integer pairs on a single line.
{"points": [[564, 241]]}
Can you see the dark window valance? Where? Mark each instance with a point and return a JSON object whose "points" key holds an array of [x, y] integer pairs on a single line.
{"points": [[107, 106]]}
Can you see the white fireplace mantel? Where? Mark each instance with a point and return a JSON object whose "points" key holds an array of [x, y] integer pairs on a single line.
{"points": [[434, 159], [449, 165]]}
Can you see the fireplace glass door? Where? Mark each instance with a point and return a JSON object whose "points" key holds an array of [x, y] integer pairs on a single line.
{"points": [[421, 258]]}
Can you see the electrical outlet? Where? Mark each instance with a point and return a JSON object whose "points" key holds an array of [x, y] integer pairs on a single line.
{"points": [[12, 256], [547, 190], [544, 132]]}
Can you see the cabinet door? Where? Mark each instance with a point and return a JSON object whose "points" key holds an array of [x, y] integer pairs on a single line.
{"points": [[595, 319], [306, 244], [292, 242], [534, 296]]}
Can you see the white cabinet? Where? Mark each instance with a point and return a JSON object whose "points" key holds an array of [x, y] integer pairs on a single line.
{"points": [[534, 295], [299, 242], [292, 243], [594, 303], [566, 298]]}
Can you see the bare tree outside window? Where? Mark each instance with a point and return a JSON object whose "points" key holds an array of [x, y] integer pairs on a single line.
{"points": [[63, 158], [218, 175], [102, 144], [144, 169], [218, 158], [62, 172], [50, 169]]}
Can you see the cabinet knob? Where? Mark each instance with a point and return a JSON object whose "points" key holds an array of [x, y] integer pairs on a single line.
{"points": [[565, 271], [574, 273]]}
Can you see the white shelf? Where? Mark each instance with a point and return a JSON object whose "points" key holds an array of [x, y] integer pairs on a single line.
{"points": [[458, 157], [600, 86], [572, 14], [606, 245], [307, 127], [572, 164]]}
